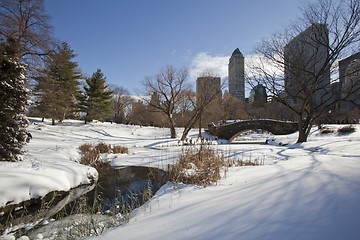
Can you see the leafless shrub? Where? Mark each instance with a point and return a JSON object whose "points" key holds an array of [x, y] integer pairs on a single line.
{"points": [[119, 149], [347, 129], [197, 166], [255, 162], [103, 147], [90, 153], [203, 165], [326, 130], [86, 147]]}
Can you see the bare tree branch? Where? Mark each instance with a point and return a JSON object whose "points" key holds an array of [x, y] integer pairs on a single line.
{"points": [[165, 89], [308, 52]]}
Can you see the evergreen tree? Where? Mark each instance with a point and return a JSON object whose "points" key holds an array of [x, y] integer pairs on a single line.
{"points": [[13, 98], [59, 85], [96, 101]]}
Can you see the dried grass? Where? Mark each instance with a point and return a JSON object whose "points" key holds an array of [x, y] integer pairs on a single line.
{"points": [[202, 166], [197, 166], [103, 147], [90, 153], [326, 130], [119, 149], [347, 129]]}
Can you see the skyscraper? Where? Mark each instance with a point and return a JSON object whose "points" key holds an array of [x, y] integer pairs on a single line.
{"points": [[236, 75], [306, 69], [258, 95], [206, 87], [349, 75]]}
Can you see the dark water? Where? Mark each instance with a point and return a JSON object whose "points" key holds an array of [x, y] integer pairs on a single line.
{"points": [[128, 185]]}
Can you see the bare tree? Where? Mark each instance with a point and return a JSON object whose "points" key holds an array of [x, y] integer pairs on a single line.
{"points": [[26, 23], [166, 89], [295, 64], [233, 108], [207, 92], [121, 103]]}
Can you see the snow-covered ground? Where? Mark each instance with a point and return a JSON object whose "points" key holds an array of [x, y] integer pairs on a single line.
{"points": [[304, 191], [46, 165]]}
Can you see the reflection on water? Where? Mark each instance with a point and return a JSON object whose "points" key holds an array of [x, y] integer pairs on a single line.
{"points": [[122, 184]]}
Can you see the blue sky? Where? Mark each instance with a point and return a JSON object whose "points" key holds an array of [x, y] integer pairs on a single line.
{"points": [[131, 39]]}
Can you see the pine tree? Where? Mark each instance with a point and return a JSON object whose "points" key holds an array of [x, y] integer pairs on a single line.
{"points": [[59, 85], [97, 98], [13, 98]]}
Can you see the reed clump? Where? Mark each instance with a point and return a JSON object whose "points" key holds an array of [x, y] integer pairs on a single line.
{"points": [[203, 165], [326, 130], [347, 129], [199, 166], [90, 153]]}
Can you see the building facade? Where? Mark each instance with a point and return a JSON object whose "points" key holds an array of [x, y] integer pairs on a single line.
{"points": [[349, 76], [306, 68], [258, 95], [206, 87], [236, 75]]}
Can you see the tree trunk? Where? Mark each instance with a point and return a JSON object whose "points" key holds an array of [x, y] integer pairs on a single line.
{"points": [[185, 133], [191, 124], [172, 127], [302, 136], [303, 130], [200, 126]]}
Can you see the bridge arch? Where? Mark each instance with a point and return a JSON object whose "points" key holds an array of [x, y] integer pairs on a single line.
{"points": [[232, 130]]}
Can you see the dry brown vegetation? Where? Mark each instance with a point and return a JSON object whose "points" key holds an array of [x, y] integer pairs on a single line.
{"points": [[90, 153], [344, 129], [347, 129], [197, 166], [326, 130], [119, 149], [203, 165]]}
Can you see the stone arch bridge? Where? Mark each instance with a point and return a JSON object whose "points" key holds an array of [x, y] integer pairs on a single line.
{"points": [[230, 131]]}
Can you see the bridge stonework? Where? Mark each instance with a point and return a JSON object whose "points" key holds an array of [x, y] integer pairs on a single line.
{"points": [[230, 131]]}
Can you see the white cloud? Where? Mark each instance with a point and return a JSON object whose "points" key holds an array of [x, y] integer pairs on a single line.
{"points": [[205, 62], [256, 60]]}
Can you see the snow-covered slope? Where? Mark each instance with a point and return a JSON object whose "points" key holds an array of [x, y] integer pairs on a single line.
{"points": [[50, 159], [304, 191]]}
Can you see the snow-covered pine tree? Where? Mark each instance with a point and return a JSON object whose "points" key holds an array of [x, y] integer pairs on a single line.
{"points": [[97, 98], [13, 99]]}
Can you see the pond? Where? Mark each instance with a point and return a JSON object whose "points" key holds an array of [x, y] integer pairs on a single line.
{"points": [[125, 186], [117, 192]]}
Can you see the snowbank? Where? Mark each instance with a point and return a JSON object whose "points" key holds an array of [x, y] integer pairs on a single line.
{"points": [[48, 165]]}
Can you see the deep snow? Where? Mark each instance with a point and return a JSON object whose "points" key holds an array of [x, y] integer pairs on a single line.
{"points": [[304, 191]]}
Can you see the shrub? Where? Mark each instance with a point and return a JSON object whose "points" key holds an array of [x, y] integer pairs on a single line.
{"points": [[120, 149], [347, 129], [256, 162], [200, 167], [103, 147], [90, 157], [90, 154], [86, 147], [326, 130]]}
